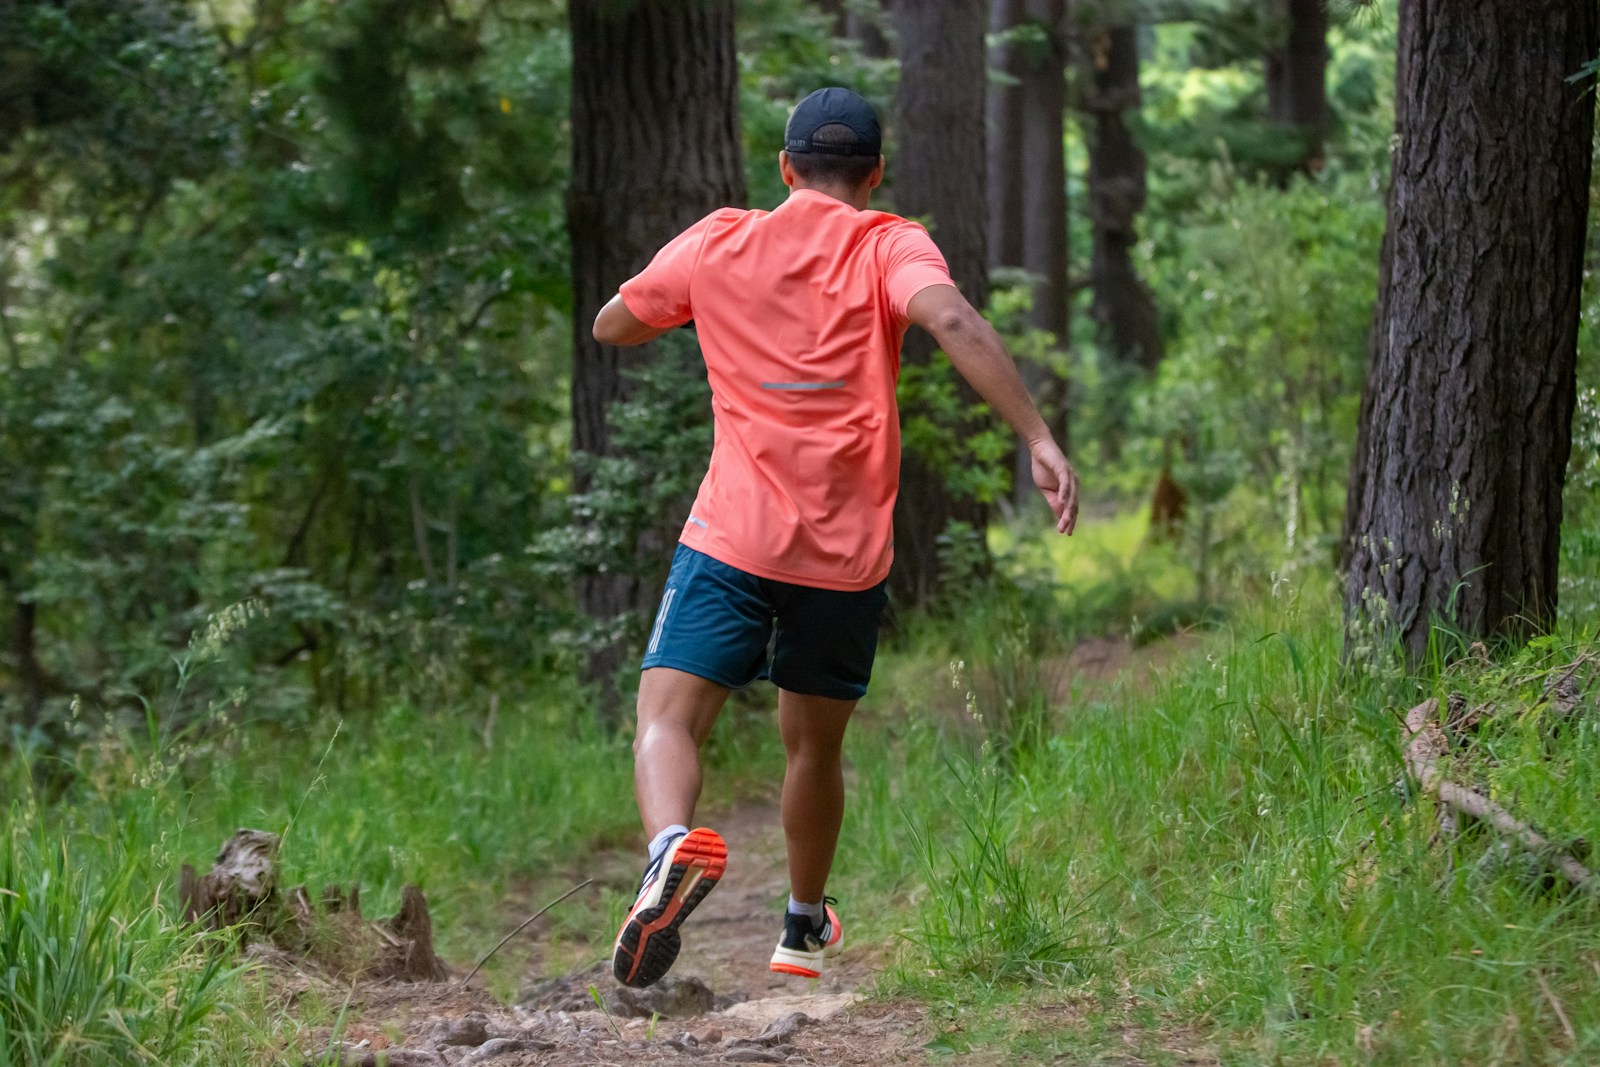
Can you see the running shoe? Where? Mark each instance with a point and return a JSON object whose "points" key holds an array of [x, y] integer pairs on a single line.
{"points": [[674, 884], [805, 945]]}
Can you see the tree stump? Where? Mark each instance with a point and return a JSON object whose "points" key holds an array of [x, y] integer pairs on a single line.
{"points": [[243, 881], [241, 894]]}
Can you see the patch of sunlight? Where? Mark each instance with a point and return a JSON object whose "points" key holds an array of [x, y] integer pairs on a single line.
{"points": [[1105, 548]]}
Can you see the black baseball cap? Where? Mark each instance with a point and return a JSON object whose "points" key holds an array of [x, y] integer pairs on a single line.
{"points": [[833, 107]]}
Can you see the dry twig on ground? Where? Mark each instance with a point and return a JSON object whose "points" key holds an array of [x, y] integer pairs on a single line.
{"points": [[1424, 749]]}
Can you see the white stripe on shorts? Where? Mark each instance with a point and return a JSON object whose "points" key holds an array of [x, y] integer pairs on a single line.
{"points": [[661, 620]]}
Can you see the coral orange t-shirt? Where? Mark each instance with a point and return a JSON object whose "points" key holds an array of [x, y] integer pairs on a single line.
{"points": [[800, 313]]}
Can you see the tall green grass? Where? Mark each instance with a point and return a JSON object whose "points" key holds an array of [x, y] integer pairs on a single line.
{"points": [[92, 970], [1238, 843], [485, 808], [1230, 845]]}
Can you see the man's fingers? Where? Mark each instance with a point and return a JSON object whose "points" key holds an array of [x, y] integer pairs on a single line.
{"points": [[1058, 482], [1069, 492]]}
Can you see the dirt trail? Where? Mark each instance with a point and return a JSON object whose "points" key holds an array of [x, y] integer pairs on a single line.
{"points": [[720, 1003]]}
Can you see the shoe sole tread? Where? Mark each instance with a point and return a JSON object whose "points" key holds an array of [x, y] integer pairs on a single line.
{"points": [[649, 942]]}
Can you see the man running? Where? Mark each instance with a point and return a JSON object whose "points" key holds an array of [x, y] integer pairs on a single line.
{"points": [[800, 312]]}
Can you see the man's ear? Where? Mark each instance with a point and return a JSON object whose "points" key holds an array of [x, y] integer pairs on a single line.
{"points": [[785, 170], [877, 173]]}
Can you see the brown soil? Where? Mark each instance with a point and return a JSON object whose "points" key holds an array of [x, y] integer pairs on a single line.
{"points": [[720, 1004]]}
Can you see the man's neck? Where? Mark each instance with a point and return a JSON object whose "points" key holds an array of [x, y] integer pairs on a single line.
{"points": [[856, 198]]}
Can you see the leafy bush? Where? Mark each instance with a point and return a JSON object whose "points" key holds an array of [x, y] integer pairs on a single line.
{"points": [[281, 318], [1272, 291]]}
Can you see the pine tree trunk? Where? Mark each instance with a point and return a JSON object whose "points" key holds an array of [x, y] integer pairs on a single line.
{"points": [[1455, 501], [1123, 309], [863, 23], [1044, 168], [1003, 122], [1297, 95], [1358, 487], [655, 146], [1044, 216], [938, 176]]}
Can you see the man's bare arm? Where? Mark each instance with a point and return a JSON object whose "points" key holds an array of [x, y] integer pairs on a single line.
{"points": [[978, 354], [616, 325]]}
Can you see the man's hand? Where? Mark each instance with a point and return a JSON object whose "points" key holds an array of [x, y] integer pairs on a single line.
{"points": [[1056, 479]]}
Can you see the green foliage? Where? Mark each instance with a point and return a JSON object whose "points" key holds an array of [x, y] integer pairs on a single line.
{"points": [[92, 971], [1580, 530], [1580, 527], [1256, 402], [955, 437], [281, 313], [1204, 96], [632, 509], [786, 51], [992, 913]]}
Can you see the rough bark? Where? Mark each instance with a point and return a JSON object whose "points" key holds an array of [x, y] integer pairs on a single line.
{"points": [[655, 120], [1455, 497], [938, 114], [1357, 489], [242, 883], [1027, 188], [1297, 95], [1122, 308]]}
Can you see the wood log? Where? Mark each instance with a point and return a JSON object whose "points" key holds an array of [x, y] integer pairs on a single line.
{"points": [[1426, 746]]}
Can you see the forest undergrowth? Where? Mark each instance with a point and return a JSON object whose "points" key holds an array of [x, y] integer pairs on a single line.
{"points": [[1219, 852], [231, 383]]}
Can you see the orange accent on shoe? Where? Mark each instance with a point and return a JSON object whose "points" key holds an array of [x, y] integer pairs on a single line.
{"points": [[798, 972], [835, 933], [703, 848]]}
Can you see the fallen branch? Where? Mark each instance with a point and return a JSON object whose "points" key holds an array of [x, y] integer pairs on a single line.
{"points": [[1423, 751], [525, 924]]}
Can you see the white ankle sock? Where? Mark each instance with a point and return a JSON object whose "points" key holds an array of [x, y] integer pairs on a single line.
{"points": [[661, 840], [815, 912]]}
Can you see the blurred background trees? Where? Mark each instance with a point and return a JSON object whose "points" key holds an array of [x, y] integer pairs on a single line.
{"points": [[294, 303]]}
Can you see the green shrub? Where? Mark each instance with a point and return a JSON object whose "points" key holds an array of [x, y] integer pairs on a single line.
{"points": [[1256, 402]]}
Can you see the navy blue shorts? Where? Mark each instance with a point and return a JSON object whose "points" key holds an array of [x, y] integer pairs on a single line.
{"points": [[717, 622]]}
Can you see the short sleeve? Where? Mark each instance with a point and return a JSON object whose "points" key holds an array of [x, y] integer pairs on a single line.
{"points": [[911, 263], [658, 296]]}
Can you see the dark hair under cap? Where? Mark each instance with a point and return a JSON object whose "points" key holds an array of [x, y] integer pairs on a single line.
{"points": [[825, 111]]}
